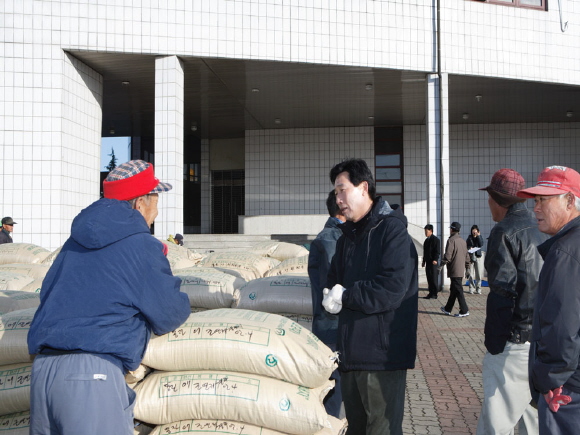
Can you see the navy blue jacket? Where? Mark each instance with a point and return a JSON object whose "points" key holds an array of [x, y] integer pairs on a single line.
{"points": [[324, 324], [555, 347], [378, 266], [108, 288]]}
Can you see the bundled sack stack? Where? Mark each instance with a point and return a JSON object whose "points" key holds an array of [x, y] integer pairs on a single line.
{"points": [[26, 253], [238, 365]]}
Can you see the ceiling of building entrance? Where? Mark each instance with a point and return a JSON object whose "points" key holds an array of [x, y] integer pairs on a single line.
{"points": [[225, 97]]}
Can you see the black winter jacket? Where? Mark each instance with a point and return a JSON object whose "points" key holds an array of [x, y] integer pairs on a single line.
{"points": [[513, 266], [377, 326], [555, 350], [431, 249]]}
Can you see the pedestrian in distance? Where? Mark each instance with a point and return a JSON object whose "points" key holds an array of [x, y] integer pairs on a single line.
{"points": [[431, 253], [456, 259], [7, 229]]}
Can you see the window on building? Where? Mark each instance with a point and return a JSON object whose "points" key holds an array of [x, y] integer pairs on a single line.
{"points": [[389, 164], [533, 4]]}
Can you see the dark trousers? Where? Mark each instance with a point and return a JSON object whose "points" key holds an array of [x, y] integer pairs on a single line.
{"points": [[333, 400], [456, 292], [432, 278], [374, 401]]}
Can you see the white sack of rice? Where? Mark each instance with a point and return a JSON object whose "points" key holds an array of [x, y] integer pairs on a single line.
{"points": [[14, 281], [265, 249], [304, 320], [14, 300], [249, 266], [51, 257], [228, 427], [178, 257], [244, 341], [207, 287], [35, 271], [284, 251], [292, 266], [22, 253], [165, 397], [276, 294], [14, 328], [15, 424], [133, 377], [34, 287], [15, 388]]}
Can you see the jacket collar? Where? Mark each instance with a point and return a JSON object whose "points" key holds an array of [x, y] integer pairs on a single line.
{"points": [[545, 247], [378, 212]]}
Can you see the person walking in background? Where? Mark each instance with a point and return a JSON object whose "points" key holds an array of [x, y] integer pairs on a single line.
{"points": [[108, 289], [7, 228], [475, 241], [178, 239], [374, 290], [324, 324], [457, 261], [555, 347], [431, 253], [513, 266]]}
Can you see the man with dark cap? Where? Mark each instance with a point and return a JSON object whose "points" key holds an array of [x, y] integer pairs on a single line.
{"points": [[178, 239], [555, 347], [108, 289], [513, 266], [456, 258], [7, 228]]}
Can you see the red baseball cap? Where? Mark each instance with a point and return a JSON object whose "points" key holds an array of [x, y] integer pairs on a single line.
{"points": [[554, 180], [132, 179]]}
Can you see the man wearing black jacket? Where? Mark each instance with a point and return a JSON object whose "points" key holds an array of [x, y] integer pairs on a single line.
{"points": [[513, 266], [431, 252], [374, 287]]}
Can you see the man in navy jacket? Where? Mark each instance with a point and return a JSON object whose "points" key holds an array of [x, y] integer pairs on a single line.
{"points": [[108, 289], [374, 283]]}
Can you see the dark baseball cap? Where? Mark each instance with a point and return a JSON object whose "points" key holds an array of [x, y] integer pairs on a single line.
{"points": [[455, 226], [8, 221]]}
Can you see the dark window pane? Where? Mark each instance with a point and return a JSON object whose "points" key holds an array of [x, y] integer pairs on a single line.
{"points": [[389, 187], [388, 173], [388, 160]]}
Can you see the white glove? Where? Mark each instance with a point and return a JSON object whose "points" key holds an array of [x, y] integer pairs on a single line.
{"points": [[332, 301]]}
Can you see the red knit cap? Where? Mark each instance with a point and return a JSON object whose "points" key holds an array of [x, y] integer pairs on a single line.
{"points": [[132, 179]]}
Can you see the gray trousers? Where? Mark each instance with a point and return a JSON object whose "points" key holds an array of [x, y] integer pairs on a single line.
{"points": [[374, 401], [76, 394]]}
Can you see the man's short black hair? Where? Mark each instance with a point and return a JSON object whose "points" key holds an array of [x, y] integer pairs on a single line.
{"points": [[331, 205], [429, 227], [358, 171]]}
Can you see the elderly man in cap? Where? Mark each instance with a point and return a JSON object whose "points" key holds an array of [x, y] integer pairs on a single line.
{"points": [[108, 289], [513, 266], [555, 347], [457, 260], [7, 227]]}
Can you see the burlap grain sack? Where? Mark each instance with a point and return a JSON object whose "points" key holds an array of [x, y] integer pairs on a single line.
{"points": [[284, 251], [51, 257], [14, 281], [14, 300], [228, 427], [244, 341], [292, 266], [265, 249], [15, 424], [165, 397], [14, 328], [276, 294], [249, 266], [22, 253], [15, 388], [36, 271], [207, 287]]}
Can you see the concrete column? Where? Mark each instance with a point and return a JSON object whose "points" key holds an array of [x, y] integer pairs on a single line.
{"points": [[169, 110], [438, 180]]}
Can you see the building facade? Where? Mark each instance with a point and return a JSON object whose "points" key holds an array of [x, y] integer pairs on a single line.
{"points": [[244, 106]]}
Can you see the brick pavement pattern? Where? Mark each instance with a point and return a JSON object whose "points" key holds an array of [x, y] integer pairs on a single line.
{"points": [[445, 391]]}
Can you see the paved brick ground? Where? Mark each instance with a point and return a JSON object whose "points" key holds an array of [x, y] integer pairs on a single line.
{"points": [[444, 391]]}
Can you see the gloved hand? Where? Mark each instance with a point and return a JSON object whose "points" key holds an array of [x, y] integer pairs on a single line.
{"points": [[332, 300], [555, 399]]}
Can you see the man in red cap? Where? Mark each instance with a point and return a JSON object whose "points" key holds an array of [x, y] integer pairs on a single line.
{"points": [[513, 266], [555, 347], [108, 289]]}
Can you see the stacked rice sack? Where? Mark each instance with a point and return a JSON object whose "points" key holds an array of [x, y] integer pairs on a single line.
{"points": [[236, 365]]}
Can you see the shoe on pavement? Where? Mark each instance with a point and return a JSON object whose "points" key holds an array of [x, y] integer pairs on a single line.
{"points": [[446, 312], [461, 315], [478, 291]]}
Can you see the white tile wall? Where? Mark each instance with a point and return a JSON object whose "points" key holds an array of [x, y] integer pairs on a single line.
{"points": [[287, 170]]}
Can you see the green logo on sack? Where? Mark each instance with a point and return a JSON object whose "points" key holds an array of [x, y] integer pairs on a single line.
{"points": [[252, 296], [284, 405], [271, 361], [280, 331]]}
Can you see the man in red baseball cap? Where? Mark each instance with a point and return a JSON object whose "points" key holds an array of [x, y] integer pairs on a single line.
{"points": [[513, 266], [555, 346], [108, 289]]}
